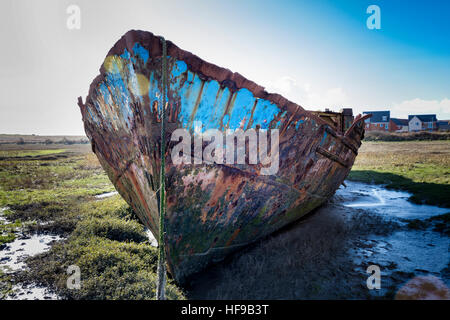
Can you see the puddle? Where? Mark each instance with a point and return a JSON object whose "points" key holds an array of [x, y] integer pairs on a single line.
{"points": [[106, 195], [151, 238], [377, 199], [12, 256], [403, 255], [411, 251]]}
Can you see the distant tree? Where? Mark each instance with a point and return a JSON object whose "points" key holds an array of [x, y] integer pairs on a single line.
{"points": [[66, 141], [21, 141]]}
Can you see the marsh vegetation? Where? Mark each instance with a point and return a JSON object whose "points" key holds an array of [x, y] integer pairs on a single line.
{"points": [[421, 168], [53, 190]]}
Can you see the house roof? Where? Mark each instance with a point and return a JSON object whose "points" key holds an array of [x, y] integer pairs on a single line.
{"points": [[423, 117], [400, 122], [377, 116], [443, 124]]}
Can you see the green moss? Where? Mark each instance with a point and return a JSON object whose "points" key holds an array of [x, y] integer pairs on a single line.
{"points": [[7, 237], [109, 269], [104, 237], [5, 285], [7, 231], [111, 228]]}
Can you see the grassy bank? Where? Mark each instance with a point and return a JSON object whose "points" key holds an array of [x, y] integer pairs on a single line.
{"points": [[21, 139], [53, 191], [419, 167], [406, 136]]}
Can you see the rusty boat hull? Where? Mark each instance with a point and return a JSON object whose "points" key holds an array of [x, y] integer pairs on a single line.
{"points": [[212, 209]]}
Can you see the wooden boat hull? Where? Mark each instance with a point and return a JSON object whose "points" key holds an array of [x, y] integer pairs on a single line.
{"points": [[212, 209]]}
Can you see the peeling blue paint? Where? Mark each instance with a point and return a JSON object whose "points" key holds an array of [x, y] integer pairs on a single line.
{"points": [[200, 100], [125, 55], [140, 52], [189, 94], [105, 93], [241, 108], [264, 113], [206, 108], [277, 126], [323, 139], [120, 91], [299, 122], [179, 68]]}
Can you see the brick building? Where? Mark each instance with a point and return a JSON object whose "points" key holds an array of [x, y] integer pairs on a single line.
{"points": [[378, 122]]}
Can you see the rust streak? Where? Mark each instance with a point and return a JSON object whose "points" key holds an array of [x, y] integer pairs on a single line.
{"points": [[197, 102]]}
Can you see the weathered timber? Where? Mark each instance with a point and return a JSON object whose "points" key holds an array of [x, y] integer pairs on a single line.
{"points": [[212, 209]]}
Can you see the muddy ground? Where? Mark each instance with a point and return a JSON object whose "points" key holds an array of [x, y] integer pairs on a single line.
{"points": [[326, 255]]}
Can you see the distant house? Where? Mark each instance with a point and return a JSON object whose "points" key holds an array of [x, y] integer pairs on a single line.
{"points": [[422, 122], [443, 125], [398, 125], [379, 120]]}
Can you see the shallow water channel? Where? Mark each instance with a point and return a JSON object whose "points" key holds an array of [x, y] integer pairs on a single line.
{"points": [[406, 251], [376, 198]]}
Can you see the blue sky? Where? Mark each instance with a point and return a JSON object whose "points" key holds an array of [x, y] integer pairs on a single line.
{"points": [[320, 54]]}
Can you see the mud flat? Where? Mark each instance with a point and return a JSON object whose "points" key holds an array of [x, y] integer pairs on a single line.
{"points": [[326, 254], [12, 259], [12, 256], [407, 252], [323, 256]]}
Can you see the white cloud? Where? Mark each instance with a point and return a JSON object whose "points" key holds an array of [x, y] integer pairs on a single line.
{"points": [[420, 106], [307, 96], [313, 98]]}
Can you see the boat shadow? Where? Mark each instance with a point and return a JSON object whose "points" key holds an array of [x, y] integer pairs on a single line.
{"points": [[298, 261]]}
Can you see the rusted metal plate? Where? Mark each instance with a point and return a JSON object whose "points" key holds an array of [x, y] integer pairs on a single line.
{"points": [[212, 209]]}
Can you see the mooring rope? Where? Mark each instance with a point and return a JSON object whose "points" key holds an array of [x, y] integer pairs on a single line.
{"points": [[160, 294]]}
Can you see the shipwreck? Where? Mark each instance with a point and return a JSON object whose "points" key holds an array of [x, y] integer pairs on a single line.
{"points": [[213, 209]]}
